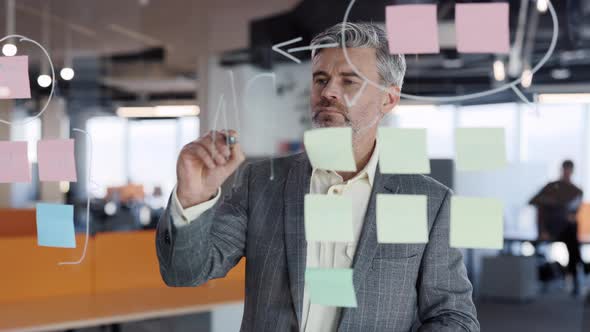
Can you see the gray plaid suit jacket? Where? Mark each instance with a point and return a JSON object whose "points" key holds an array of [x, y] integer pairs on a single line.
{"points": [[399, 287]]}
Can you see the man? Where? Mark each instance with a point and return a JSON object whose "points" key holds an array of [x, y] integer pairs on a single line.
{"points": [[557, 206], [399, 287]]}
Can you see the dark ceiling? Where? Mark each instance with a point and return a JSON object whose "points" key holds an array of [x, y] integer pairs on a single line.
{"points": [[447, 73]]}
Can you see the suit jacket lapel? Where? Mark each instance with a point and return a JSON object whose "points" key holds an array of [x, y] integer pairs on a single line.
{"points": [[297, 186], [367, 246]]}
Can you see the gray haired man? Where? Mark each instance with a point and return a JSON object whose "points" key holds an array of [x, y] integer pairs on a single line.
{"points": [[399, 287]]}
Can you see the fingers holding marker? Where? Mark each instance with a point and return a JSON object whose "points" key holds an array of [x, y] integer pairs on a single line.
{"points": [[218, 148], [210, 144], [201, 153], [222, 145], [237, 156]]}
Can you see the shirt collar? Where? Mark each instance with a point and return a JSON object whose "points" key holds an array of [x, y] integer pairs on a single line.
{"points": [[368, 171]]}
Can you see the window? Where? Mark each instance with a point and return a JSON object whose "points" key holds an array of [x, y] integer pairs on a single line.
{"points": [[494, 115], [552, 135], [437, 120], [108, 153], [30, 132]]}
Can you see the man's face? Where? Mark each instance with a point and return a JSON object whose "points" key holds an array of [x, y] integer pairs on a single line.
{"points": [[567, 172], [333, 78]]}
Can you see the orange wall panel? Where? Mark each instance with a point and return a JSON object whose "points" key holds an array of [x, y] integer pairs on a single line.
{"points": [[30, 271]]}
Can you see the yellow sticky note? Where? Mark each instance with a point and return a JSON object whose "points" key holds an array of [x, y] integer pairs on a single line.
{"points": [[476, 223], [331, 287], [403, 151], [328, 218], [402, 219], [330, 148], [479, 149]]}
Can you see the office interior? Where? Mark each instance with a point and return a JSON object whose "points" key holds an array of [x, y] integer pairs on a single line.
{"points": [[145, 77]]}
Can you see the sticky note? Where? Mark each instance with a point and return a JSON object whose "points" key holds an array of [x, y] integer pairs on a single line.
{"points": [[330, 149], [328, 218], [482, 27], [480, 149], [403, 151], [476, 223], [412, 29], [56, 160], [402, 219], [55, 225], [14, 162], [331, 287], [14, 77]]}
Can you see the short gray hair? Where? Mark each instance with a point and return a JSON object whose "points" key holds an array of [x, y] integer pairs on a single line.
{"points": [[391, 67]]}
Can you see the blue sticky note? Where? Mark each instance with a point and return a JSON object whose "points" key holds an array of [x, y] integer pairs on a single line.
{"points": [[55, 225]]}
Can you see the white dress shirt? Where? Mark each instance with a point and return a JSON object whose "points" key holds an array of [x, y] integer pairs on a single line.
{"points": [[315, 318]]}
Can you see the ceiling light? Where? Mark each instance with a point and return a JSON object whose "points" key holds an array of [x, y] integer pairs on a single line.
{"points": [[44, 80], [527, 78], [560, 98], [163, 111], [67, 73], [542, 6], [499, 70], [9, 49], [561, 73]]}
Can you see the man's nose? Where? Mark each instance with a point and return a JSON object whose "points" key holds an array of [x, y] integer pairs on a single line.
{"points": [[332, 91]]}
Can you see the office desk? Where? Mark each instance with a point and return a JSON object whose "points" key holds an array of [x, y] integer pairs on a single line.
{"points": [[118, 281], [77, 311]]}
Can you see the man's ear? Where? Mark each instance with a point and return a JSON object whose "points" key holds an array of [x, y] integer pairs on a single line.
{"points": [[391, 99]]}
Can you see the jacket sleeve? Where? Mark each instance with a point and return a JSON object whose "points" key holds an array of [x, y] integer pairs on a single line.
{"points": [[207, 247], [444, 291]]}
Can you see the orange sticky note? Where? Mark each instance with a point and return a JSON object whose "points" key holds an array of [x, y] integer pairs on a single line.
{"points": [[412, 29], [56, 160], [14, 162], [14, 77], [482, 27]]}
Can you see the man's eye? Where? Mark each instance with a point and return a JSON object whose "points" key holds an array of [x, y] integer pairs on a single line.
{"points": [[349, 82], [320, 81]]}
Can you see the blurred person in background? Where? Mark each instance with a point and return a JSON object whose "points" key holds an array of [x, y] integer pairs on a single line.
{"points": [[557, 205]]}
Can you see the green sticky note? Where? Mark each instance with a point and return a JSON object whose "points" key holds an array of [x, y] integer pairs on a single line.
{"points": [[403, 151], [331, 287], [328, 218], [402, 219], [476, 223], [480, 149], [330, 148]]}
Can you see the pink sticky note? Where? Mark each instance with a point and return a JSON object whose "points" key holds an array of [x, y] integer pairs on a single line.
{"points": [[56, 160], [412, 29], [482, 27], [14, 77], [14, 162]]}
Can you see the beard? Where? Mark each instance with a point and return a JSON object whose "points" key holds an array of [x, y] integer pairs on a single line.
{"points": [[327, 113]]}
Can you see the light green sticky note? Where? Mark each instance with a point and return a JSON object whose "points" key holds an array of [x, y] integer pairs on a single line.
{"points": [[330, 148], [403, 151], [402, 219], [331, 287], [480, 149], [476, 223], [328, 218]]}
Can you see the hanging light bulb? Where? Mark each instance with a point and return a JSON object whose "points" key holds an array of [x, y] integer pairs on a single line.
{"points": [[527, 78], [67, 73], [44, 80], [542, 6], [499, 70], [9, 49]]}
